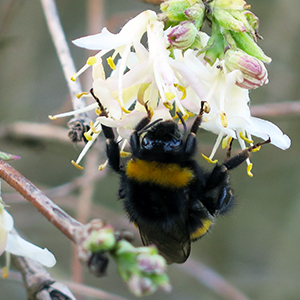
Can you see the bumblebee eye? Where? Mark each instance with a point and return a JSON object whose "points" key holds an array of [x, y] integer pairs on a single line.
{"points": [[175, 143], [147, 143]]}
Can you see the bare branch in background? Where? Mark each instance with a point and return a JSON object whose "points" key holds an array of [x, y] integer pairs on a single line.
{"points": [[212, 280], [276, 109], [62, 50]]}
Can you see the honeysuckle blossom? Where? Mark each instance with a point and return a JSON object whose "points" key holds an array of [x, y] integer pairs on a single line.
{"points": [[218, 69], [11, 242]]}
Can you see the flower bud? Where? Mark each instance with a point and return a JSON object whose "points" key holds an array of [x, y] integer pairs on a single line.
{"points": [[151, 264], [183, 35], [196, 14], [228, 21], [246, 43], [102, 239], [252, 19], [141, 286], [174, 10], [254, 71], [231, 4]]}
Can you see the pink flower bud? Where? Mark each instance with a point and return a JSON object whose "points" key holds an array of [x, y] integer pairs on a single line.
{"points": [[254, 71], [183, 35]]}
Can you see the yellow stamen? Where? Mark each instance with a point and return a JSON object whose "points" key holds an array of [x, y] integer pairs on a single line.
{"points": [[249, 168], [91, 60], [170, 95], [93, 128], [168, 105], [73, 78], [141, 93], [111, 63], [103, 166], [126, 111], [209, 160], [181, 89], [52, 117], [124, 153], [98, 111], [226, 141], [245, 139], [4, 272], [256, 149], [206, 107], [79, 95], [88, 136], [76, 165], [224, 119]]}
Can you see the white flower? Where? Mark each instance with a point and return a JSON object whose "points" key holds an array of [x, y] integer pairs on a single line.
{"points": [[11, 242], [167, 79]]}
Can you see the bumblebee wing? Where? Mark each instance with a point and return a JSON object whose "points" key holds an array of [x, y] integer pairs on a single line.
{"points": [[174, 246]]}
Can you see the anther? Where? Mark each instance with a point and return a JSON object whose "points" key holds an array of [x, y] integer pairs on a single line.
{"points": [[76, 165], [224, 119], [242, 136], [249, 168], [111, 63], [91, 60], [209, 160], [170, 96], [79, 95], [168, 105]]}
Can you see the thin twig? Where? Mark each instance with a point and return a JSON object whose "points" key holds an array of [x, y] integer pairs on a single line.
{"points": [[276, 109], [38, 282], [212, 280], [53, 213], [89, 291], [62, 50]]}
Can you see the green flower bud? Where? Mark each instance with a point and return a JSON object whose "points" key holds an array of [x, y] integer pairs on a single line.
{"points": [[245, 42], [174, 10], [230, 4], [228, 21], [196, 14], [252, 19], [100, 240]]}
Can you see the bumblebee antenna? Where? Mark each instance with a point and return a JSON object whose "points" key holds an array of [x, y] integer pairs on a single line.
{"points": [[150, 125], [179, 114]]}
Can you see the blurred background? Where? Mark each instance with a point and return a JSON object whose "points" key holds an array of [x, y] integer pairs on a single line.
{"points": [[255, 248]]}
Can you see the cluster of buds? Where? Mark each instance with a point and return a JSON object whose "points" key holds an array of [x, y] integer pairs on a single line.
{"points": [[142, 268]]}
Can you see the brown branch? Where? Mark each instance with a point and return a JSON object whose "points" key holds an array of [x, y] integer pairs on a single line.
{"points": [[62, 50], [212, 280], [276, 109], [53, 213], [38, 282]]}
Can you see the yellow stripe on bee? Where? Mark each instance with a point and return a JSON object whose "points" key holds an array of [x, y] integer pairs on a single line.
{"points": [[166, 175], [201, 230]]}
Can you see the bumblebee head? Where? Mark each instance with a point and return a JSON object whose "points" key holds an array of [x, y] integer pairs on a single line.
{"points": [[159, 141]]}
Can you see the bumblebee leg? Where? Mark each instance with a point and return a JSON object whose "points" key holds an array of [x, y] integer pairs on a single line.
{"points": [[229, 147], [112, 147], [190, 144], [242, 156]]}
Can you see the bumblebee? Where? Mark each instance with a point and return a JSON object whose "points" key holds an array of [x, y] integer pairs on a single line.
{"points": [[170, 198]]}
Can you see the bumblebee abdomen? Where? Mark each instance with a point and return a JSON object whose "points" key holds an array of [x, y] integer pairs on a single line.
{"points": [[169, 175]]}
